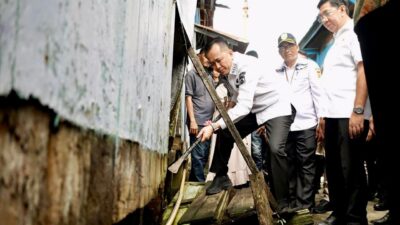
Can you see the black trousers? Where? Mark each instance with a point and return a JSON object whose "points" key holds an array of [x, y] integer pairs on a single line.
{"points": [[345, 171], [277, 130], [373, 30], [300, 148]]}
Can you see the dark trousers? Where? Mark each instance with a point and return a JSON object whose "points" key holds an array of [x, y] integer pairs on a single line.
{"points": [[370, 158], [373, 30], [345, 171], [199, 158], [300, 148], [277, 132]]}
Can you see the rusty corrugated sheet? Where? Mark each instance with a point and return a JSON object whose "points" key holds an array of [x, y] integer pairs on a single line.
{"points": [[187, 11], [104, 65]]}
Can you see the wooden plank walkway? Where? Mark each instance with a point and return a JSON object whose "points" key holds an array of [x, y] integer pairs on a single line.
{"points": [[207, 209], [234, 206], [191, 191], [241, 205]]}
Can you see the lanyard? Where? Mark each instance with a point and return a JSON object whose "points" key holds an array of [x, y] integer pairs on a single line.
{"points": [[287, 78]]}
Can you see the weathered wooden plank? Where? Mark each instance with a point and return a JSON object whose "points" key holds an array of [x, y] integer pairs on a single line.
{"points": [[192, 189], [168, 211], [241, 204], [219, 214], [206, 208], [302, 217]]}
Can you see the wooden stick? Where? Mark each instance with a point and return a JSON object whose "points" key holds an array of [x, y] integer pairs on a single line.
{"points": [[174, 167], [257, 181]]}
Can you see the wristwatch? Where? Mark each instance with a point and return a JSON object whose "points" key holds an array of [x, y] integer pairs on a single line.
{"points": [[358, 110]]}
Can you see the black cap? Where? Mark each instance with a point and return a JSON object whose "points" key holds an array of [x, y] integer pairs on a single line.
{"points": [[252, 53], [286, 37]]}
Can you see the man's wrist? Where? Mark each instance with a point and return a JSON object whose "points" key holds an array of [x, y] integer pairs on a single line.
{"points": [[214, 126], [358, 110]]}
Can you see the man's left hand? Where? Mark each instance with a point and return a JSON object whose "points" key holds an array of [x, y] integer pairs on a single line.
{"points": [[356, 125]]}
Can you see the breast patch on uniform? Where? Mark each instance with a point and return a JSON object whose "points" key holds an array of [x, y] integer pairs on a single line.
{"points": [[318, 71], [241, 79]]}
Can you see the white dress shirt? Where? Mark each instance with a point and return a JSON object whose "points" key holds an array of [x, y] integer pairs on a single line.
{"points": [[259, 90], [340, 73], [307, 93]]}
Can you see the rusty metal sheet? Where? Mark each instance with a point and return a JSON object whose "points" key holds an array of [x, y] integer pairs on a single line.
{"points": [[103, 65]]}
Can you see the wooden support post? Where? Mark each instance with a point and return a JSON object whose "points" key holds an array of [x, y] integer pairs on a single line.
{"points": [[257, 181]]}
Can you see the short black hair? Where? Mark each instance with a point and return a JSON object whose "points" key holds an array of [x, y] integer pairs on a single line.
{"points": [[218, 40], [335, 3], [201, 51], [252, 53]]}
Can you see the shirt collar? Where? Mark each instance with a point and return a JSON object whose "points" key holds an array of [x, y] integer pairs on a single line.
{"points": [[348, 25], [235, 65], [301, 63]]}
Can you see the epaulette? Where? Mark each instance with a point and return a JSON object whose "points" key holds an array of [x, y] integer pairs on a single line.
{"points": [[280, 70], [301, 66]]}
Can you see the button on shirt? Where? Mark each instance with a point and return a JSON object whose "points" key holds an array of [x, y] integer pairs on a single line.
{"points": [[259, 90], [340, 73], [307, 94]]}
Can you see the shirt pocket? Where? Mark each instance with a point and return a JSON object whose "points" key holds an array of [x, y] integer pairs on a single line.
{"points": [[301, 80]]}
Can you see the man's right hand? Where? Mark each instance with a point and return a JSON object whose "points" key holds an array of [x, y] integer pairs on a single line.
{"points": [[193, 128], [261, 130], [371, 131], [320, 132], [206, 133]]}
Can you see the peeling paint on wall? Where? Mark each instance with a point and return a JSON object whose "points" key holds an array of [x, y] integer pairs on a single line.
{"points": [[103, 65]]}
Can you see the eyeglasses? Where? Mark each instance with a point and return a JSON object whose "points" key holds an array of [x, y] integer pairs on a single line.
{"points": [[326, 14], [286, 47]]}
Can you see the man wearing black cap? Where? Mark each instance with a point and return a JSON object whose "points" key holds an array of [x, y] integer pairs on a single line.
{"points": [[303, 76]]}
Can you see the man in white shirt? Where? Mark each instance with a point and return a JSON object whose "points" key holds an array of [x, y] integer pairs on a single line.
{"points": [[346, 122], [262, 100], [303, 76]]}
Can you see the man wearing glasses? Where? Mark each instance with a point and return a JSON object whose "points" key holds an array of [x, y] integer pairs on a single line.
{"points": [[346, 121], [303, 76], [262, 99]]}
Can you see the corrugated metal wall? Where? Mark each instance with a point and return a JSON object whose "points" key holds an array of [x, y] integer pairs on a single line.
{"points": [[104, 65]]}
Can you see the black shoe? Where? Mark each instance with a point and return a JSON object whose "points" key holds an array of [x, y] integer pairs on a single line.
{"points": [[381, 206], [331, 220], [363, 222], [385, 220], [218, 184], [323, 207]]}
